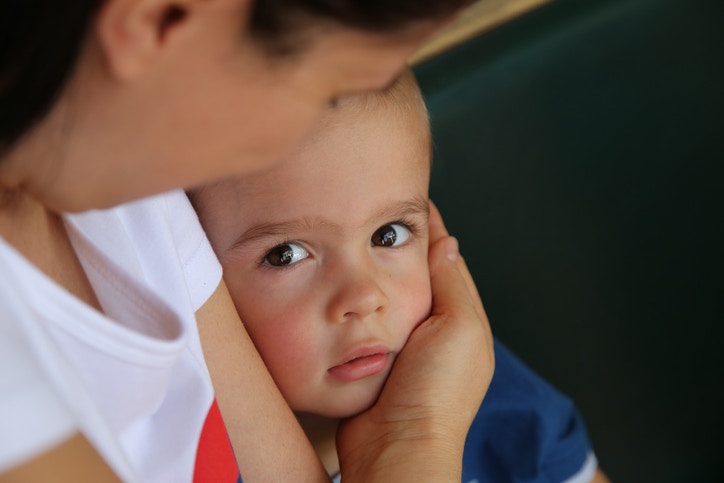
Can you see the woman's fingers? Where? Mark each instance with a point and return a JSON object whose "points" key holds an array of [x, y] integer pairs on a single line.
{"points": [[438, 232], [454, 296], [472, 288], [436, 225], [455, 299]]}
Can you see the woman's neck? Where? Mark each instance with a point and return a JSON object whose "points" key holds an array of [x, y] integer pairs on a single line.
{"points": [[322, 434], [39, 235]]}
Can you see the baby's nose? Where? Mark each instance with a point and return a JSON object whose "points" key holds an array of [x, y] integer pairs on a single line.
{"points": [[357, 298]]}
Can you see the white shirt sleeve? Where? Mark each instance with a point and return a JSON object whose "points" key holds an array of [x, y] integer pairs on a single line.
{"points": [[587, 471], [33, 417], [200, 265]]}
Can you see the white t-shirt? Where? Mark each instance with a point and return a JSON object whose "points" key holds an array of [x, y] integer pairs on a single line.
{"points": [[133, 379]]}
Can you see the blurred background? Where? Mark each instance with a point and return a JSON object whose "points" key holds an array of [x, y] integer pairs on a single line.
{"points": [[579, 159]]}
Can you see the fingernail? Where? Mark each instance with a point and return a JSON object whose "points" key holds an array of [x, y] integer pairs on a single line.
{"points": [[451, 249]]}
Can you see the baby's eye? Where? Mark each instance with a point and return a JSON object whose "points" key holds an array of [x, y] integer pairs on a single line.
{"points": [[285, 254], [390, 235]]}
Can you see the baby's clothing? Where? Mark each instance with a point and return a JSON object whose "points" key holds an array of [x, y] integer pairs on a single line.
{"points": [[132, 379], [526, 431]]}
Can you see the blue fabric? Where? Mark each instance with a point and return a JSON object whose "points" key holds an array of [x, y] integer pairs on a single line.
{"points": [[525, 430]]}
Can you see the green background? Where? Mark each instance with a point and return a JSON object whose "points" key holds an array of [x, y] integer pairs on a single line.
{"points": [[579, 158]]}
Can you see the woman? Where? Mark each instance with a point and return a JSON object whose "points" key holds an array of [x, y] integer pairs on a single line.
{"points": [[104, 103]]}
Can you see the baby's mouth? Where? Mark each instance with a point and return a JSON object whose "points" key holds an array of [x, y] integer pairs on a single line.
{"points": [[368, 363]]}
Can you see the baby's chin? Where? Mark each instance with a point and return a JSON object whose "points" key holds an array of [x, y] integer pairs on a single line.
{"points": [[346, 406]]}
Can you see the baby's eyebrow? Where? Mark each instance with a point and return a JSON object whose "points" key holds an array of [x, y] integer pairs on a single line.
{"points": [[418, 206], [281, 229]]}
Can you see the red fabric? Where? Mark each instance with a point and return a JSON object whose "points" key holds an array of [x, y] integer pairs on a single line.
{"points": [[215, 461]]}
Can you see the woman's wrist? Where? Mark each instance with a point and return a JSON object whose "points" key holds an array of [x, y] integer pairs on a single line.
{"points": [[419, 450]]}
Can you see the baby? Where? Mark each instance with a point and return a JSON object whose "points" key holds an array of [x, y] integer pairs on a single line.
{"points": [[326, 260]]}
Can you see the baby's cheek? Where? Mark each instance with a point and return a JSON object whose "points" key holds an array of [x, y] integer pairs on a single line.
{"points": [[418, 301], [423, 290], [260, 314], [293, 358]]}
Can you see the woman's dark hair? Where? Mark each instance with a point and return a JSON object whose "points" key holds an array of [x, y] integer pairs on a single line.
{"points": [[278, 23], [40, 41]]}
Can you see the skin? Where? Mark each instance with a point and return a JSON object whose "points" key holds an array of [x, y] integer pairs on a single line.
{"points": [[344, 297], [154, 105], [357, 167]]}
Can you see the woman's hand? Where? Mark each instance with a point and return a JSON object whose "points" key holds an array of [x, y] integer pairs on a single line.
{"points": [[416, 431]]}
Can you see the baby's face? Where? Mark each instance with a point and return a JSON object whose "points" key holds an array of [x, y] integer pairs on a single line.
{"points": [[326, 256]]}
